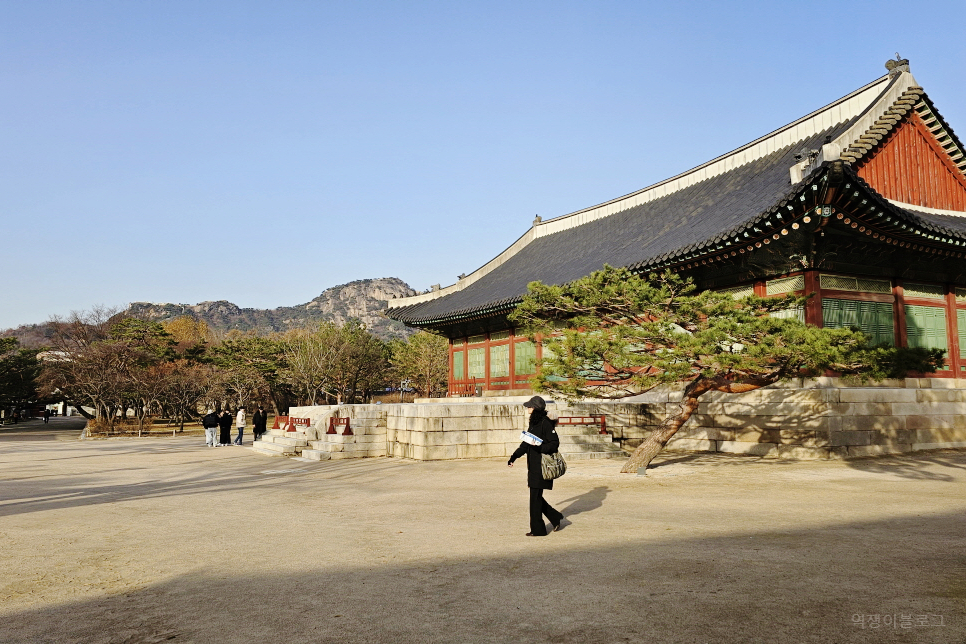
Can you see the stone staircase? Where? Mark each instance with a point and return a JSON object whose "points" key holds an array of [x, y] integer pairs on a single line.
{"points": [[337, 446], [278, 442], [578, 442], [430, 434]]}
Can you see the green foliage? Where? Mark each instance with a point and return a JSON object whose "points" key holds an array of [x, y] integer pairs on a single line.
{"points": [[615, 334], [19, 369], [251, 367], [150, 337], [885, 361]]}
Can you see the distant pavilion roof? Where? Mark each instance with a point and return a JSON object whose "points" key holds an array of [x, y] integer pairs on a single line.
{"points": [[701, 210]]}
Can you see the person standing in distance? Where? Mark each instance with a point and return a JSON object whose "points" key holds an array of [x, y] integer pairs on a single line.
{"points": [[210, 422], [259, 422], [224, 424], [240, 424], [543, 428]]}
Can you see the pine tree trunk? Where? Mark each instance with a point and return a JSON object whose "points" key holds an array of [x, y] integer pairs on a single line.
{"points": [[651, 447], [655, 443]]}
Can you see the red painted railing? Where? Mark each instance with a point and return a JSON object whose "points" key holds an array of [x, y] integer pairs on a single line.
{"points": [[593, 419], [333, 422]]}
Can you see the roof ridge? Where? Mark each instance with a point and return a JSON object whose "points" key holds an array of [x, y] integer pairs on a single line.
{"points": [[844, 109], [746, 146]]}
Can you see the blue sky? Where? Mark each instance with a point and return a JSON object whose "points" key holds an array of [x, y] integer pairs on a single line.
{"points": [[261, 152]]}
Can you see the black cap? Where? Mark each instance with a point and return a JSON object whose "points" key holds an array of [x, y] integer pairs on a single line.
{"points": [[536, 403]]}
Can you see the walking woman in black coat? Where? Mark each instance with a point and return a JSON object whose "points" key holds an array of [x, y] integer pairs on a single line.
{"points": [[542, 427]]}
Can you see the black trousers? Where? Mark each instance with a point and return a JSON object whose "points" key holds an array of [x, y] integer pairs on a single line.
{"points": [[538, 508]]}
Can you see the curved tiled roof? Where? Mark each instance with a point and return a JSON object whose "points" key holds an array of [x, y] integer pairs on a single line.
{"points": [[701, 213], [703, 210]]}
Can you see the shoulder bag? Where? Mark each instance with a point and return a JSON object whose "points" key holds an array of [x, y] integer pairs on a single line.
{"points": [[552, 466]]}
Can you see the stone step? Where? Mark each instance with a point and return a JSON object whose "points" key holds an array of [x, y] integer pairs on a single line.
{"points": [[581, 456], [275, 449], [596, 439], [261, 448], [282, 433], [348, 440], [589, 447], [315, 454], [371, 453], [579, 430], [292, 441]]}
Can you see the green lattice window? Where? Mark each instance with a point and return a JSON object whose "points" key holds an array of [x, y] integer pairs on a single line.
{"points": [[738, 292], [785, 285], [926, 327], [459, 366], [916, 289], [500, 361], [524, 358], [858, 284], [872, 318], [477, 363], [499, 335]]}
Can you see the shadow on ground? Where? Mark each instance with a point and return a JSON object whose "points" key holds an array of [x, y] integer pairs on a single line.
{"points": [[586, 502], [912, 466], [789, 586], [21, 496]]}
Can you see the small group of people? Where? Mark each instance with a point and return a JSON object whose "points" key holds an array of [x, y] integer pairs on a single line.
{"points": [[220, 424]]}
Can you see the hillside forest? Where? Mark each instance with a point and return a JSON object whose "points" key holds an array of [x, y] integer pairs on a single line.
{"points": [[115, 368]]}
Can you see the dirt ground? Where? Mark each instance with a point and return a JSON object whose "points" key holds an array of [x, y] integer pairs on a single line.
{"points": [[165, 540]]}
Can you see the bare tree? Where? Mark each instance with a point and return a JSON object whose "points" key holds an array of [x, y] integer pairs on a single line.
{"points": [[423, 359], [310, 359]]}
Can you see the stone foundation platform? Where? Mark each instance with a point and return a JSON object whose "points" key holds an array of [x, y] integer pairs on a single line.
{"points": [[818, 418]]}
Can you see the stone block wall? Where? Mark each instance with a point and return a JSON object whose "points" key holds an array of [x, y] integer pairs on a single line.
{"points": [[429, 432], [814, 419]]}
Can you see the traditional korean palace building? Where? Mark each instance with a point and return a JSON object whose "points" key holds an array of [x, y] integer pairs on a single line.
{"points": [[862, 202]]}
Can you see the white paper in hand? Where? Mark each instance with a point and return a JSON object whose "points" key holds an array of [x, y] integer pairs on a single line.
{"points": [[527, 437]]}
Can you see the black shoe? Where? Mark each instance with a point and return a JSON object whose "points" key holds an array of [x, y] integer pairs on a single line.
{"points": [[556, 526]]}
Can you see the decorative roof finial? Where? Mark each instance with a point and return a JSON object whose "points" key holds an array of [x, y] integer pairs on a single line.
{"points": [[537, 220], [897, 66]]}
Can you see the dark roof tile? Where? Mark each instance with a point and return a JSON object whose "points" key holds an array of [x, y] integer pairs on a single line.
{"points": [[690, 218]]}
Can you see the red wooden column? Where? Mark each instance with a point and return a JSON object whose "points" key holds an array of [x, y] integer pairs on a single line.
{"points": [[813, 308], [452, 374], [902, 339], [952, 330], [760, 289], [486, 357], [512, 369]]}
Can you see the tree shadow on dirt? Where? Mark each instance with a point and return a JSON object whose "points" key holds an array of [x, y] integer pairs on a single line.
{"points": [[919, 467], [714, 459], [23, 495]]}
